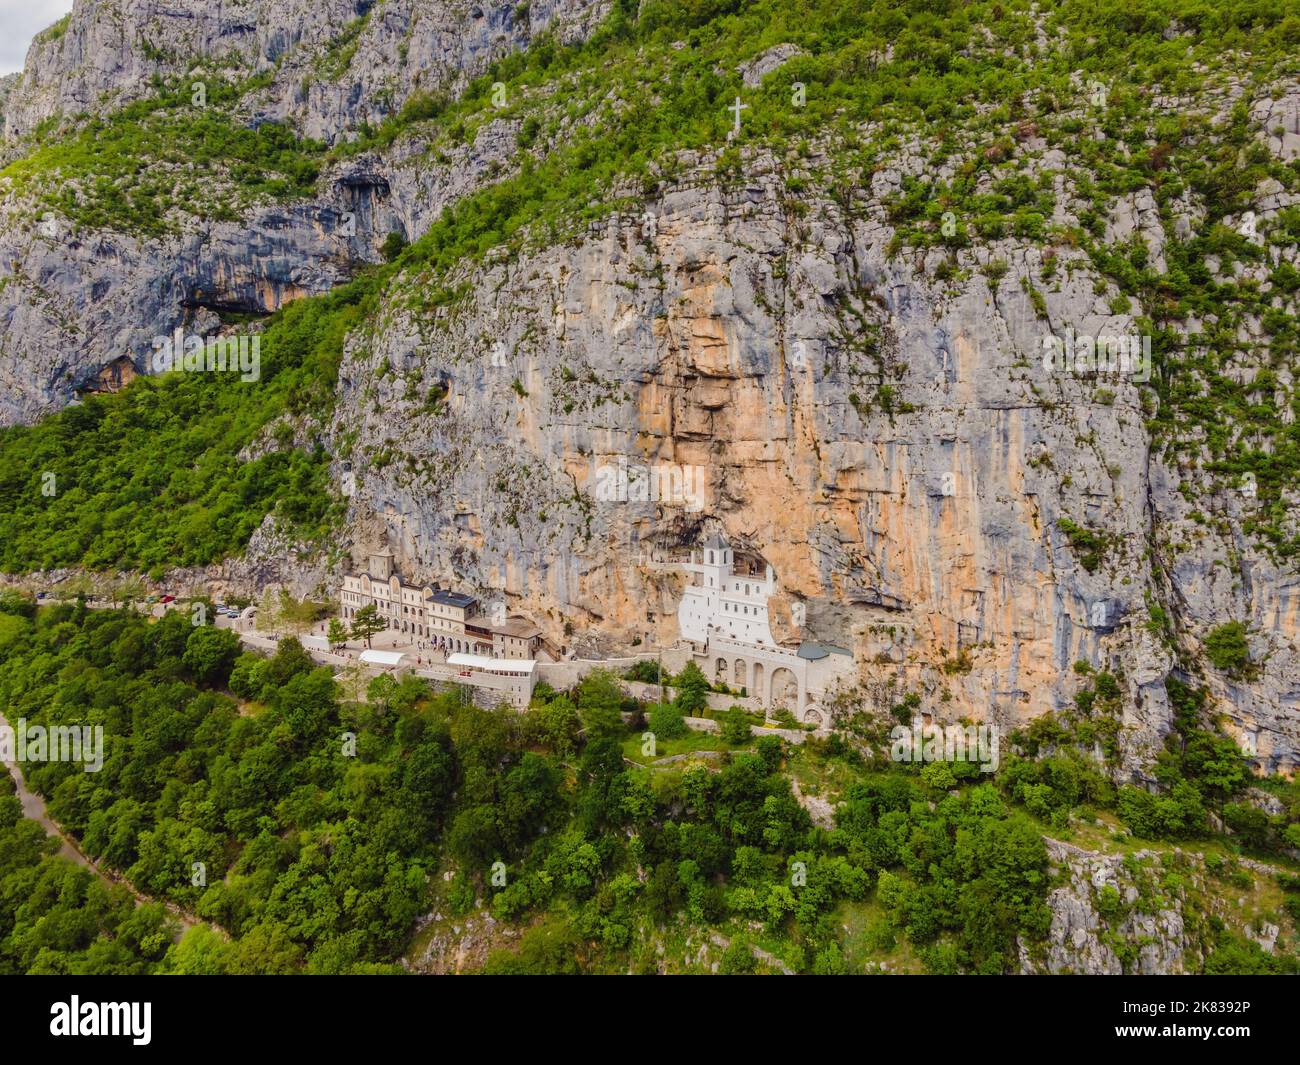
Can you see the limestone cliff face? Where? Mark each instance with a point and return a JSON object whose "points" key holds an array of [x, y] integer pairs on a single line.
{"points": [[730, 338], [74, 301], [111, 51], [877, 426], [1147, 913]]}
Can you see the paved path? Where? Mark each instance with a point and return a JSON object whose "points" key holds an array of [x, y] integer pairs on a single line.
{"points": [[34, 809]]}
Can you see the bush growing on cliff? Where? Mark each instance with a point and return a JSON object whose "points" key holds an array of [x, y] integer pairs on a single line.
{"points": [[1227, 647], [394, 245], [1177, 816], [1088, 544], [1235, 956]]}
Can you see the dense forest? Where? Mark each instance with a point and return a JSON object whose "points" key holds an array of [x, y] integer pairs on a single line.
{"points": [[309, 832]]}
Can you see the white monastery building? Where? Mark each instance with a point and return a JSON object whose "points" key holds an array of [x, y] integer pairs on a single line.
{"points": [[723, 602], [724, 614]]}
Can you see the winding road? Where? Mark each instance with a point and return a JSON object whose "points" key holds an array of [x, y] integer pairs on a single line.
{"points": [[34, 809]]}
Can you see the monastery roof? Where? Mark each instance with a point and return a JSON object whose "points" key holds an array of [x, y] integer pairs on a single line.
{"points": [[519, 627], [814, 651], [459, 599], [717, 542], [515, 626]]}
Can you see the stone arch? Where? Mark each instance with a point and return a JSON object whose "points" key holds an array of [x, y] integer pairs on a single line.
{"points": [[720, 670], [813, 716], [741, 679], [783, 689], [757, 688]]}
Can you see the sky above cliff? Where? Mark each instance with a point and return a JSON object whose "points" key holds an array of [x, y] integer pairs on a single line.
{"points": [[20, 21]]}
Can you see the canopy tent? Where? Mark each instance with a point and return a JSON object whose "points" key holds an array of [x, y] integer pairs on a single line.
{"points": [[520, 666], [382, 658]]}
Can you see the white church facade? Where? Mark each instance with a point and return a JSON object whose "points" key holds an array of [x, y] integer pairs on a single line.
{"points": [[724, 614], [723, 602]]}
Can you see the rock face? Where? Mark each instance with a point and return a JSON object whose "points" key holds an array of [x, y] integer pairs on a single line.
{"points": [[76, 303], [72, 302], [111, 50], [451, 946], [747, 353], [1082, 941], [879, 427]]}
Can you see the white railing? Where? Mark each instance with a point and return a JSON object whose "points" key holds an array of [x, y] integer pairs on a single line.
{"points": [[751, 650]]}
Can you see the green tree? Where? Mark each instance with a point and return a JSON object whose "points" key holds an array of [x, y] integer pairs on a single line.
{"points": [[692, 690], [600, 703], [201, 952], [249, 677], [557, 725], [667, 721], [738, 959], [771, 749], [393, 246], [736, 729], [210, 653], [338, 633], [367, 623], [1227, 647], [265, 949], [290, 659], [381, 690]]}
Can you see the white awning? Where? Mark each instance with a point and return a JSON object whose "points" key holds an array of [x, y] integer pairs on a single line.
{"points": [[382, 658], [497, 665]]}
